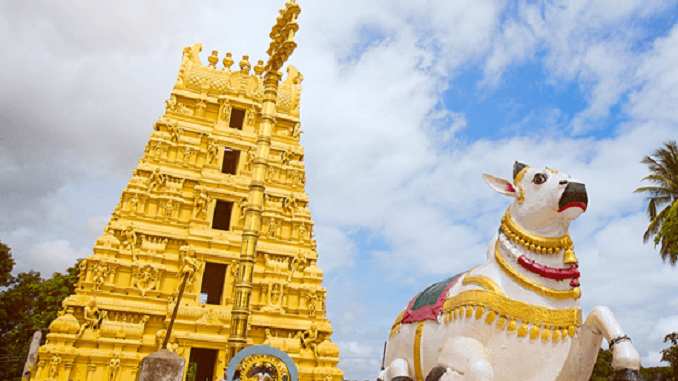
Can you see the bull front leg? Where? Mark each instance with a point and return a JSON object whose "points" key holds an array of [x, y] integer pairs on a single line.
{"points": [[625, 357], [462, 358], [601, 324]]}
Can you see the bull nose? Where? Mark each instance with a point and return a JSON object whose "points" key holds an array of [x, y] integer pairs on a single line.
{"points": [[576, 188], [574, 195]]}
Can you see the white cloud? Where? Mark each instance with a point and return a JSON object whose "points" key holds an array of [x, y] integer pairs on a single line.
{"points": [[50, 256], [335, 248], [652, 358], [592, 43], [655, 100]]}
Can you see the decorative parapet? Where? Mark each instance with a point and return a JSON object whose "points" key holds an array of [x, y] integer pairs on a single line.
{"points": [[241, 83]]}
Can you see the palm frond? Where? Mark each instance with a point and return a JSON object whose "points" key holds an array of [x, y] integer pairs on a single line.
{"points": [[656, 222], [662, 197], [661, 180], [652, 188], [651, 210]]}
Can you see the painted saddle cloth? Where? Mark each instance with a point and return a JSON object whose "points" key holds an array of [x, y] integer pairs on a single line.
{"points": [[428, 303]]}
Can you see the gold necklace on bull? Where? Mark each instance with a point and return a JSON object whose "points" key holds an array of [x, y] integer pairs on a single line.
{"points": [[536, 244], [539, 245]]}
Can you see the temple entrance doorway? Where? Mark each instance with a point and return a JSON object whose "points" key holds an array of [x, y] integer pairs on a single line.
{"points": [[201, 364]]}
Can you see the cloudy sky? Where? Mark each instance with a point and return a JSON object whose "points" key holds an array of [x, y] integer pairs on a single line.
{"points": [[405, 104]]}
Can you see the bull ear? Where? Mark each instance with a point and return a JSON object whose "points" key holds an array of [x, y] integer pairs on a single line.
{"points": [[500, 185]]}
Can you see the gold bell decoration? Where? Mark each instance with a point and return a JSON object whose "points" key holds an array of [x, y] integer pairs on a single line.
{"points": [[569, 258]]}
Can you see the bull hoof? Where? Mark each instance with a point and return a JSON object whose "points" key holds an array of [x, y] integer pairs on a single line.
{"points": [[436, 373], [626, 375], [402, 378]]}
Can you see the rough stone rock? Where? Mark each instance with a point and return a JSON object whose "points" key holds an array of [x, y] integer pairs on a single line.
{"points": [[162, 365]]}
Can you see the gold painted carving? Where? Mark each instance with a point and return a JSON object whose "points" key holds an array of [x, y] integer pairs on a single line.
{"points": [[200, 202], [156, 180], [263, 367], [395, 327], [129, 240], [416, 350], [513, 315], [310, 339], [54, 365], [212, 151], [92, 317], [100, 274], [145, 278], [113, 367], [537, 244], [482, 281]]}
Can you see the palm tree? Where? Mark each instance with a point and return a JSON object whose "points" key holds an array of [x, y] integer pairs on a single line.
{"points": [[662, 205]]}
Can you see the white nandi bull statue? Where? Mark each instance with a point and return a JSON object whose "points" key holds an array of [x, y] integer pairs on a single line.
{"points": [[516, 317]]}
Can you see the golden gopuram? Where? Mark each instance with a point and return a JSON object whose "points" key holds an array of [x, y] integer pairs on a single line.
{"points": [[218, 197]]}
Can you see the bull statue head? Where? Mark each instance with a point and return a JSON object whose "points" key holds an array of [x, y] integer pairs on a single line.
{"points": [[546, 200]]}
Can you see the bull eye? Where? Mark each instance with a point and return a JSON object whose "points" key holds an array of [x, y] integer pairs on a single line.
{"points": [[540, 178]]}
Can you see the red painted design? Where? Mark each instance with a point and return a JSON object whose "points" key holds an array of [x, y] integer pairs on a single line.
{"points": [[548, 272], [510, 188], [428, 312], [575, 204]]}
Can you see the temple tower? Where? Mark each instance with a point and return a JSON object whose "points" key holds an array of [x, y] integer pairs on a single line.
{"points": [[219, 195]]}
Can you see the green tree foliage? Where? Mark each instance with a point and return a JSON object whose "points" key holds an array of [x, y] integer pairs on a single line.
{"points": [[662, 197], [602, 370], [27, 303], [6, 264], [670, 354]]}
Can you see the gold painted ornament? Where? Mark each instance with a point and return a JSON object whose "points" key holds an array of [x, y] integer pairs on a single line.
{"points": [[537, 244]]}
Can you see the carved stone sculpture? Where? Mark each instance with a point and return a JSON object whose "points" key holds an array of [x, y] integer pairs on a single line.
{"points": [[173, 131], [200, 108], [156, 180], [92, 317], [129, 241], [200, 204], [225, 112], [296, 130], [189, 265], [113, 367], [146, 278], [212, 152], [100, 272], [310, 339]]}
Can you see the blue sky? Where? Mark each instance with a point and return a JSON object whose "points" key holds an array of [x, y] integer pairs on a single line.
{"points": [[405, 104]]}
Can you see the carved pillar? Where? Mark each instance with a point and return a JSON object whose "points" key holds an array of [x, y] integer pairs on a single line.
{"points": [[91, 369], [252, 225], [281, 47]]}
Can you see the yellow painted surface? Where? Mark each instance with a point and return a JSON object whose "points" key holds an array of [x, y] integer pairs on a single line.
{"points": [[161, 228]]}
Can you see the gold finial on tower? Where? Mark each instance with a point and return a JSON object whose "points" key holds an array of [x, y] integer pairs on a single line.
{"points": [[259, 68], [245, 64], [213, 59], [228, 61]]}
